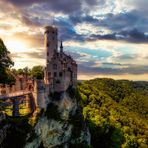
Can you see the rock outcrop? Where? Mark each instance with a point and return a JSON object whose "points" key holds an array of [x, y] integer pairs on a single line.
{"points": [[61, 124]]}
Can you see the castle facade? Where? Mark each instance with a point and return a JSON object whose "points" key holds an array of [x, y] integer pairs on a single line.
{"points": [[61, 69]]}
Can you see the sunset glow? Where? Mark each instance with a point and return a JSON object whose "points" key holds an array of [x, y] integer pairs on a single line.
{"points": [[16, 46], [107, 38]]}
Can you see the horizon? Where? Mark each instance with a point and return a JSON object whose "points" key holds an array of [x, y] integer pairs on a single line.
{"points": [[106, 38]]}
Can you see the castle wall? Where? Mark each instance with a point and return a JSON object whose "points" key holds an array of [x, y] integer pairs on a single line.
{"points": [[20, 84], [50, 41], [40, 94], [61, 69]]}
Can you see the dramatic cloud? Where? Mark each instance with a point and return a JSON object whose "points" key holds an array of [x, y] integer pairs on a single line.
{"points": [[129, 69], [105, 37]]}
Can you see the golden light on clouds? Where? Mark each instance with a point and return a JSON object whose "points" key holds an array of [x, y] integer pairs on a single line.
{"points": [[108, 39], [117, 77], [16, 46]]}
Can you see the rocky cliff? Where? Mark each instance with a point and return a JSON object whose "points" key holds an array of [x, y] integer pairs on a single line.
{"points": [[61, 124]]}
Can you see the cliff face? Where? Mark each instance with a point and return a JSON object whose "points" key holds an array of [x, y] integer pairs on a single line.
{"points": [[61, 124]]}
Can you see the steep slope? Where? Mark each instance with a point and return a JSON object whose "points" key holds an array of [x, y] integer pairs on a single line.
{"points": [[61, 124], [116, 111]]}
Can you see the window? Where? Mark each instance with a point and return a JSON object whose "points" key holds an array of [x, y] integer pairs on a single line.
{"points": [[69, 69], [60, 74], [58, 81], [65, 65], [49, 74], [53, 32], [53, 38], [55, 66], [48, 44], [55, 74]]}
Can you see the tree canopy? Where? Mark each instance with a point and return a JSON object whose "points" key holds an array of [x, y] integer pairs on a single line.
{"points": [[5, 63], [116, 112], [37, 72]]}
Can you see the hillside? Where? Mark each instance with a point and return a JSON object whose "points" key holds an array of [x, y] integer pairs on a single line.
{"points": [[116, 111], [115, 115]]}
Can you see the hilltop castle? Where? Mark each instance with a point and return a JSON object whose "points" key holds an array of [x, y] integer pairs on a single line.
{"points": [[61, 69]]}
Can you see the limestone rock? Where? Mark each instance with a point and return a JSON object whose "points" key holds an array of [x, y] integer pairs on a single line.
{"points": [[62, 124]]}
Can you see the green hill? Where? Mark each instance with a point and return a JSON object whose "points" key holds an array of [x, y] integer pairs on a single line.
{"points": [[116, 111]]}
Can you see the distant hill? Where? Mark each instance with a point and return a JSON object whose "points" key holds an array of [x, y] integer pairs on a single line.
{"points": [[116, 111]]}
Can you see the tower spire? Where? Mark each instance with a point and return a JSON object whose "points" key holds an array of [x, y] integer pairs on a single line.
{"points": [[61, 47]]}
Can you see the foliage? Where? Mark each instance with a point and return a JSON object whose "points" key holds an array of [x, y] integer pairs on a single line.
{"points": [[23, 71], [20, 131], [5, 63], [116, 112], [52, 112], [37, 72], [78, 124], [17, 133]]}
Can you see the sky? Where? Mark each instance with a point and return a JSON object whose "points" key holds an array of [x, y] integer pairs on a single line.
{"points": [[107, 38]]}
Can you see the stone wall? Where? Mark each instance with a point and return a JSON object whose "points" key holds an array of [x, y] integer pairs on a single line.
{"points": [[40, 93]]}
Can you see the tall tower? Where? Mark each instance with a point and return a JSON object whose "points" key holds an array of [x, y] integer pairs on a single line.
{"points": [[51, 41]]}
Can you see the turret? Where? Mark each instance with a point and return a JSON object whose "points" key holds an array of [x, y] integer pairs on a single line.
{"points": [[61, 47], [50, 41]]}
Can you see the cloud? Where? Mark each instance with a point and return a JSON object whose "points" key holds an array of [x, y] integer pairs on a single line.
{"points": [[65, 6], [89, 68], [102, 35], [133, 36], [39, 54], [110, 26]]}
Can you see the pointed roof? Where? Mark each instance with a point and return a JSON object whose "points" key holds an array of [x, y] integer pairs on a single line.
{"points": [[61, 47]]}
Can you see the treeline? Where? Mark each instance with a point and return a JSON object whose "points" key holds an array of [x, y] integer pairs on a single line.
{"points": [[35, 72], [6, 63], [116, 112], [7, 73]]}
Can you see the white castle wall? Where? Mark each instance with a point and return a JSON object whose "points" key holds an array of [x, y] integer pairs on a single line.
{"points": [[61, 69], [40, 94], [50, 41]]}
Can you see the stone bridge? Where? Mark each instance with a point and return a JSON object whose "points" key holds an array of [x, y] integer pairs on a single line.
{"points": [[17, 98]]}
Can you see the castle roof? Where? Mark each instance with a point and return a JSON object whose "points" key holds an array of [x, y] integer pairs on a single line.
{"points": [[64, 58]]}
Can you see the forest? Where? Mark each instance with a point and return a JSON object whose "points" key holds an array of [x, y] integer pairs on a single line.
{"points": [[116, 112]]}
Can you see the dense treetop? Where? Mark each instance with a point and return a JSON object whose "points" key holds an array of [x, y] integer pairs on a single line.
{"points": [[6, 76], [116, 111]]}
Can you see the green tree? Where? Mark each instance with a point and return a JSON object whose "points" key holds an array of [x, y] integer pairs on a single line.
{"points": [[5, 64], [25, 71], [116, 112], [37, 72], [20, 71]]}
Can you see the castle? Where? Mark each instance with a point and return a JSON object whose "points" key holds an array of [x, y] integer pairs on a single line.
{"points": [[61, 69], [60, 73]]}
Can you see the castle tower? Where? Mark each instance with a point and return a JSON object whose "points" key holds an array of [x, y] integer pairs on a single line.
{"points": [[51, 41], [61, 69]]}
